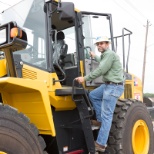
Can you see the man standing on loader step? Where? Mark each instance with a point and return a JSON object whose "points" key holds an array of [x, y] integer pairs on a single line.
{"points": [[104, 97]]}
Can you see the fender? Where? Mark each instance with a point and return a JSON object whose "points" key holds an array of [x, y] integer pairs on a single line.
{"points": [[31, 98]]}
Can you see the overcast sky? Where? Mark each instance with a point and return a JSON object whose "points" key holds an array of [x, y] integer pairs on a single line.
{"points": [[130, 14]]}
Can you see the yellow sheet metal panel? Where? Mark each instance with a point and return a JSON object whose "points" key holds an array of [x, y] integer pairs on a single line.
{"points": [[31, 98], [33, 73], [133, 88], [138, 92], [3, 70], [29, 72], [59, 102]]}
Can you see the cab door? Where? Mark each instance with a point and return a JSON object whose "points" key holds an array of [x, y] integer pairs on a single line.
{"points": [[93, 26]]}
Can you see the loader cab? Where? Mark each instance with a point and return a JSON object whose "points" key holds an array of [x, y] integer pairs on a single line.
{"points": [[80, 34], [43, 21]]}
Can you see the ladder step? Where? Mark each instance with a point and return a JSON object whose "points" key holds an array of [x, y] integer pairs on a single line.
{"points": [[86, 125]]}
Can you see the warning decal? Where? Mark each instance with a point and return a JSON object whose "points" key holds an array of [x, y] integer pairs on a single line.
{"points": [[137, 96]]}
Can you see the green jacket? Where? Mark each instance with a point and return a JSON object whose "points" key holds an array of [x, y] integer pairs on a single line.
{"points": [[110, 68]]}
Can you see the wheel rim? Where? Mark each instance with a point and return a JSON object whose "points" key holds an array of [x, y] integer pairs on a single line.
{"points": [[1, 152], [140, 137]]}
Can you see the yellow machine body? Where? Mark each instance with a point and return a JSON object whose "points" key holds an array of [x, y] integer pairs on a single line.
{"points": [[133, 88], [3, 69], [33, 95], [31, 98]]}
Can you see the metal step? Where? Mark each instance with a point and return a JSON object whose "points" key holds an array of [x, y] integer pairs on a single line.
{"points": [[86, 125]]}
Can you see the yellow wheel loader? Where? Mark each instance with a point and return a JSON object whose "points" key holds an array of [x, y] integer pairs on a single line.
{"points": [[44, 46]]}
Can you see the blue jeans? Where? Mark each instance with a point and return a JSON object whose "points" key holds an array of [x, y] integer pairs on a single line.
{"points": [[104, 100]]}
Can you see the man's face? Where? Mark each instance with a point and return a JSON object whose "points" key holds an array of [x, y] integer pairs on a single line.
{"points": [[102, 46]]}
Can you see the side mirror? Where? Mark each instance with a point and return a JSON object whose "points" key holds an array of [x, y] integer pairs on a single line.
{"points": [[12, 37], [66, 10]]}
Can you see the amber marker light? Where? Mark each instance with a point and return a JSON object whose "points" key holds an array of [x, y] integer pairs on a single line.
{"points": [[16, 32]]}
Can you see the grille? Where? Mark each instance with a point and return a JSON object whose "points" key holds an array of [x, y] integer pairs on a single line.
{"points": [[28, 74], [128, 91]]}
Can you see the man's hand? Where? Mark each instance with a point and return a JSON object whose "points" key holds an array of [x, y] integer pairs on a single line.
{"points": [[92, 54], [80, 79]]}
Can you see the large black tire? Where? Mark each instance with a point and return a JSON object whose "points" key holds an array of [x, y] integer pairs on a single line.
{"points": [[132, 129], [17, 135]]}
